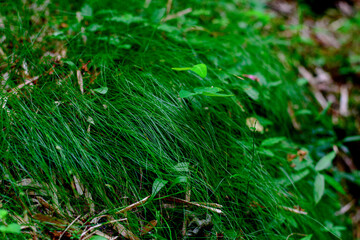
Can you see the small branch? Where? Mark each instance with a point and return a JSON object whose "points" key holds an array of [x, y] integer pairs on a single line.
{"points": [[177, 15]]}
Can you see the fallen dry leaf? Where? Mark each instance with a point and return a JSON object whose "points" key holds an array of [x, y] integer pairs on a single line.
{"points": [[134, 205], [254, 123], [148, 227], [80, 80]]}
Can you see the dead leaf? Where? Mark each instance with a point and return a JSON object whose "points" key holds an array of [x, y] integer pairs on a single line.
{"points": [[297, 210], [51, 220], [148, 227], [122, 230], [134, 205], [254, 123], [80, 81], [79, 187], [178, 200]]}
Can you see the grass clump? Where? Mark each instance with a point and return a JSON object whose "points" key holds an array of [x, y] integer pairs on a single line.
{"points": [[101, 122]]}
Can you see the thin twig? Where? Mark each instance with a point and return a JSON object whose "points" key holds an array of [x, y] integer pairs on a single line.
{"points": [[176, 15]]}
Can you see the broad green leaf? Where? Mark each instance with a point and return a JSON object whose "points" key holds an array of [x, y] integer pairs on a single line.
{"points": [[211, 91], [94, 27], [86, 11], [336, 185], [308, 237], [298, 176], [98, 238], [179, 179], [272, 141], [266, 152], [102, 90], [200, 69], [319, 187], [3, 213], [157, 186], [11, 228], [274, 84], [325, 161], [294, 178], [252, 93], [185, 94], [182, 167]]}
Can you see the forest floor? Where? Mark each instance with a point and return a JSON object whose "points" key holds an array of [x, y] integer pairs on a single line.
{"points": [[179, 120]]}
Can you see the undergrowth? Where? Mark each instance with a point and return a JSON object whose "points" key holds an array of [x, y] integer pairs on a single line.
{"points": [[99, 125]]}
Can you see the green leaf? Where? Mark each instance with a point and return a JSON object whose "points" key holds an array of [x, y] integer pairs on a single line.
{"points": [[181, 69], [272, 141], [274, 84], [303, 112], [352, 139], [102, 90], [11, 228], [200, 69], [294, 178], [94, 27], [3, 213], [252, 93], [308, 237], [98, 238], [126, 18], [319, 187], [157, 186], [202, 90], [336, 185], [182, 167], [185, 94], [179, 179], [217, 94], [124, 46], [265, 152], [71, 64], [86, 11], [325, 161]]}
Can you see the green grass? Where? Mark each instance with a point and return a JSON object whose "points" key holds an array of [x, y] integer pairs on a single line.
{"points": [[119, 143]]}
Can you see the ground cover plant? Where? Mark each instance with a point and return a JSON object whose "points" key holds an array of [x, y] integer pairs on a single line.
{"points": [[161, 120]]}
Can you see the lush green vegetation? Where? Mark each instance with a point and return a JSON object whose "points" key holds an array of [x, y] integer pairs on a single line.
{"points": [[186, 107]]}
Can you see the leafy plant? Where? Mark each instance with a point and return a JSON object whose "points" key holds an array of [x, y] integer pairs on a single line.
{"points": [[5, 228]]}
